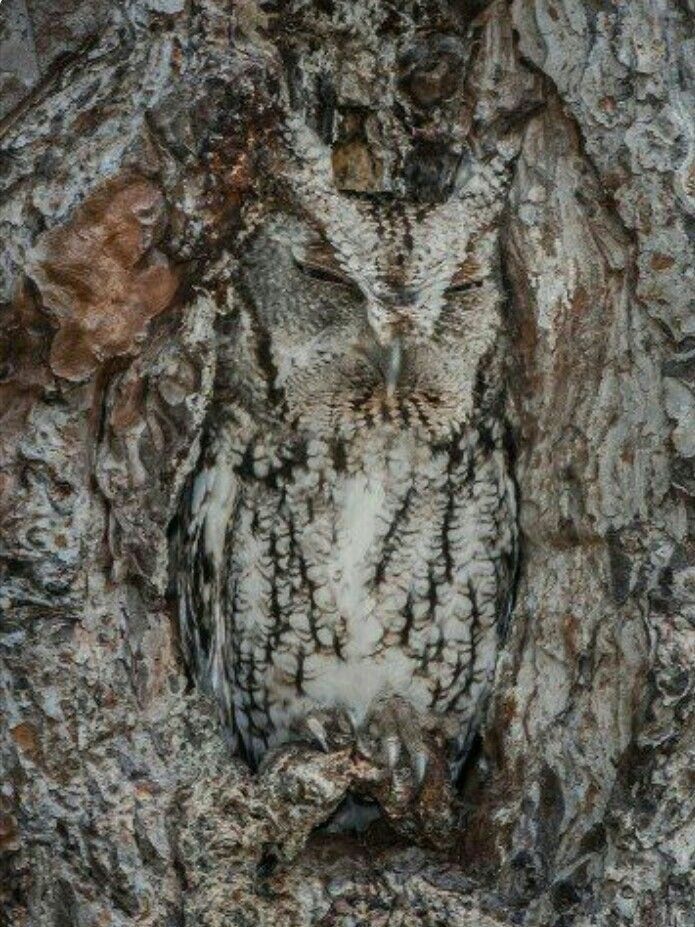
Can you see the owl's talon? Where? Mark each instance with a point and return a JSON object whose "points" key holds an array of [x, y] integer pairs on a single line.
{"points": [[392, 727], [420, 762], [318, 731], [407, 771], [352, 721], [327, 729]]}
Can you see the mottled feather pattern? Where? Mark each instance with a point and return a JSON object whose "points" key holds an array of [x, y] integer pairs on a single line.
{"points": [[350, 531]]}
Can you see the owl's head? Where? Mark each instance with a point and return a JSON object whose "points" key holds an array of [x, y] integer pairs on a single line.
{"points": [[366, 312]]}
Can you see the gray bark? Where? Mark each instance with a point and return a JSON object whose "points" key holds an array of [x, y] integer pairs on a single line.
{"points": [[131, 143]]}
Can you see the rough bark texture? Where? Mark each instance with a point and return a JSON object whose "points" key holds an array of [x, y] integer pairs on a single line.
{"points": [[132, 140]]}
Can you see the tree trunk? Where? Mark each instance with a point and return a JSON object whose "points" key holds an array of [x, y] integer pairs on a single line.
{"points": [[136, 145]]}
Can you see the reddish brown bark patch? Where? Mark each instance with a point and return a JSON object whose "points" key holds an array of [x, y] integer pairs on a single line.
{"points": [[26, 738], [661, 261], [101, 278]]}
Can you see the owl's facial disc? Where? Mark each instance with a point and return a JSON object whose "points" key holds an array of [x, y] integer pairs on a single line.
{"points": [[363, 340]]}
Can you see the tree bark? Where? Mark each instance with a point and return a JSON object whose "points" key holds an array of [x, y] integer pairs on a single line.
{"points": [[133, 141]]}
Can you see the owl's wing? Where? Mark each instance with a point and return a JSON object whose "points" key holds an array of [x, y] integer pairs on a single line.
{"points": [[200, 564]]}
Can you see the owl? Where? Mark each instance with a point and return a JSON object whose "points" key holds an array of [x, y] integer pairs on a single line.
{"points": [[348, 543]]}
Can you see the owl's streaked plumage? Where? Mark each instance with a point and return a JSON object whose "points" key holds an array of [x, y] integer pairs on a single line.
{"points": [[351, 529]]}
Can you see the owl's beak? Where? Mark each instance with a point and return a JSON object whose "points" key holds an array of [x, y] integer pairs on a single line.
{"points": [[394, 363]]}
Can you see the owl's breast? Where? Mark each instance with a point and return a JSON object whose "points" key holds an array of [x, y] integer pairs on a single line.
{"points": [[357, 562], [381, 572]]}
